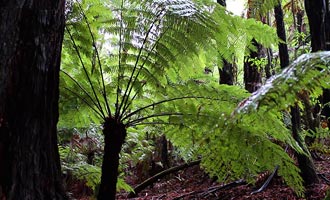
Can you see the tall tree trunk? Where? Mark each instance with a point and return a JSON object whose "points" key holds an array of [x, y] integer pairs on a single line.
{"points": [[252, 73], [326, 92], [316, 10], [327, 24], [305, 162], [114, 137], [31, 34], [306, 165], [222, 2], [226, 73], [319, 23]]}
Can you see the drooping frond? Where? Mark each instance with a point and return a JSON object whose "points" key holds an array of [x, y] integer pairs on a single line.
{"points": [[310, 72], [258, 119]]}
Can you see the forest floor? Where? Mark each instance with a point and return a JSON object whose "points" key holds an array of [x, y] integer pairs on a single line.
{"points": [[193, 184]]}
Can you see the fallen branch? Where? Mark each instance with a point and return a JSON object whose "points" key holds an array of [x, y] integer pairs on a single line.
{"points": [[225, 186], [213, 189], [322, 176], [264, 186], [154, 178]]}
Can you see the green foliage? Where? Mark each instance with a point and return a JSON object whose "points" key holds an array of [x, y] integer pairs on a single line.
{"points": [[309, 72], [259, 8], [73, 154], [138, 62]]}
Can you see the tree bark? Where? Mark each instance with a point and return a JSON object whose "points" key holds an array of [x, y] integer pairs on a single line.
{"points": [[327, 25], [305, 162], [306, 165], [114, 137], [318, 13], [226, 73], [31, 34], [222, 2], [252, 74], [315, 10]]}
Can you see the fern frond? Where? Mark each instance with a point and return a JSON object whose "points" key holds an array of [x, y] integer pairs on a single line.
{"points": [[308, 72]]}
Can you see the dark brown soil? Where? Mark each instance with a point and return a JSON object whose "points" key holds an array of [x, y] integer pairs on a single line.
{"points": [[193, 183]]}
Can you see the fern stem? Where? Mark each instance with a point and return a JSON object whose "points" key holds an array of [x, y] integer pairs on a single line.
{"points": [[155, 123], [85, 70], [135, 79], [154, 115], [160, 102], [104, 93], [130, 83], [80, 86], [85, 101], [117, 107]]}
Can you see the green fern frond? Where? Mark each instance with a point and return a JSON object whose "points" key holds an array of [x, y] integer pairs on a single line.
{"points": [[308, 73]]}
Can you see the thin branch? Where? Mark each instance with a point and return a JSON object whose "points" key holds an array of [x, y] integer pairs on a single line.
{"points": [[154, 178], [85, 70], [98, 59], [266, 183]]}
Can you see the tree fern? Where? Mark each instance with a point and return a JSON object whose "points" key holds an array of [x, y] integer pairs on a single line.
{"points": [[123, 76]]}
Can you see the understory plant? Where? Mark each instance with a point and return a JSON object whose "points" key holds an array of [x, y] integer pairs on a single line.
{"points": [[132, 66]]}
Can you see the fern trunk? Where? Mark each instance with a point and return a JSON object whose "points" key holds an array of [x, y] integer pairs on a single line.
{"points": [[114, 137]]}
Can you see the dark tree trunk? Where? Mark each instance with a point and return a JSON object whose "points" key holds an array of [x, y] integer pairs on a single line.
{"points": [[325, 99], [300, 25], [327, 25], [31, 34], [319, 23], [306, 165], [114, 137], [316, 10], [280, 29], [222, 2], [326, 92], [226, 73], [252, 73]]}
